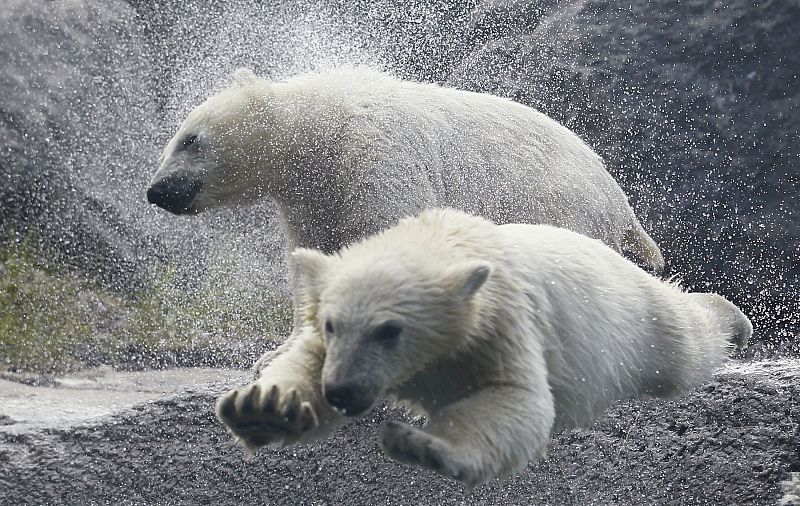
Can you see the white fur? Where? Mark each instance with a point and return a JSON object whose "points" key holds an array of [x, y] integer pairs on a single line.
{"points": [[509, 333]]}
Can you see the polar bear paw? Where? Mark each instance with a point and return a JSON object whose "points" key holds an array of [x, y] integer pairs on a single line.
{"points": [[259, 416], [413, 446]]}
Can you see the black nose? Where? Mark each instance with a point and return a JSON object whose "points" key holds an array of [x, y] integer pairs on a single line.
{"points": [[174, 193], [339, 396], [347, 397]]}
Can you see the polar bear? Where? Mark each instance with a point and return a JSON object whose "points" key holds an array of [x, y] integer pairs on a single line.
{"points": [[347, 152], [500, 335]]}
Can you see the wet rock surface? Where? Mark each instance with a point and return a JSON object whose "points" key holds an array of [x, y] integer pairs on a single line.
{"points": [[31, 401], [81, 131], [693, 104], [732, 441]]}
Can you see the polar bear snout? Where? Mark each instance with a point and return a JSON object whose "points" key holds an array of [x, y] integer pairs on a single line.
{"points": [[348, 398], [174, 193]]}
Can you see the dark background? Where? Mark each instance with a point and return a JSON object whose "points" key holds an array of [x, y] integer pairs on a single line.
{"points": [[693, 105]]}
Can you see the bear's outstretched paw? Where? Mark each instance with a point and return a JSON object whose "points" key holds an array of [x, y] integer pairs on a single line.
{"points": [[264, 417], [414, 446]]}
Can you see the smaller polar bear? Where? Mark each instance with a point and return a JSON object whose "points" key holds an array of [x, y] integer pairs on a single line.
{"points": [[500, 335]]}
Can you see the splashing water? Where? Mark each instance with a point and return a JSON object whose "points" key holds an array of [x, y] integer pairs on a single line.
{"points": [[96, 91], [693, 105]]}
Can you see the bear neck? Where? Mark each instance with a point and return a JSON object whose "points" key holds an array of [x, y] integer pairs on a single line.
{"points": [[293, 135], [305, 173]]}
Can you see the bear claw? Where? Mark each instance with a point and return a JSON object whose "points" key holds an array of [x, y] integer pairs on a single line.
{"points": [[271, 402], [413, 446], [226, 406], [250, 400], [259, 420]]}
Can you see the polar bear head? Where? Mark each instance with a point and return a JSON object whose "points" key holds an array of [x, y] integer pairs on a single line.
{"points": [[217, 156], [384, 318]]}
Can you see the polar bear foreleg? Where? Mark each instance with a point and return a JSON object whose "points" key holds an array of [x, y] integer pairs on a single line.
{"points": [[285, 404], [496, 431]]}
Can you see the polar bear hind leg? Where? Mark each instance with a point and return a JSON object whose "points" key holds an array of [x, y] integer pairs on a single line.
{"points": [[636, 241], [740, 327]]}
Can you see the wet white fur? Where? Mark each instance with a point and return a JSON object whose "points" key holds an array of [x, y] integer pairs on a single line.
{"points": [[561, 328], [349, 151]]}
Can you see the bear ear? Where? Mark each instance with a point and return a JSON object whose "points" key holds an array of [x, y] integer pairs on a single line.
{"points": [[466, 279], [244, 77], [310, 268]]}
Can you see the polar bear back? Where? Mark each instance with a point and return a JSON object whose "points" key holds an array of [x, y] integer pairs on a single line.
{"points": [[614, 329], [482, 154]]}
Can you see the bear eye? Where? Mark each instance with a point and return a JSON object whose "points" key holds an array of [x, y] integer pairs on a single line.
{"points": [[189, 140], [387, 333], [328, 329]]}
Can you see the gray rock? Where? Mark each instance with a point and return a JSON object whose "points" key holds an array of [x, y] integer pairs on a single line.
{"points": [[732, 441], [82, 128], [74, 114], [694, 105]]}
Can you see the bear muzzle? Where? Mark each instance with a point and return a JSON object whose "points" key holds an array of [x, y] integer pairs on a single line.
{"points": [[348, 398], [174, 193]]}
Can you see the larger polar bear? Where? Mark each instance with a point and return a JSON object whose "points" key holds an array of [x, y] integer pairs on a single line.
{"points": [[347, 152], [499, 334]]}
